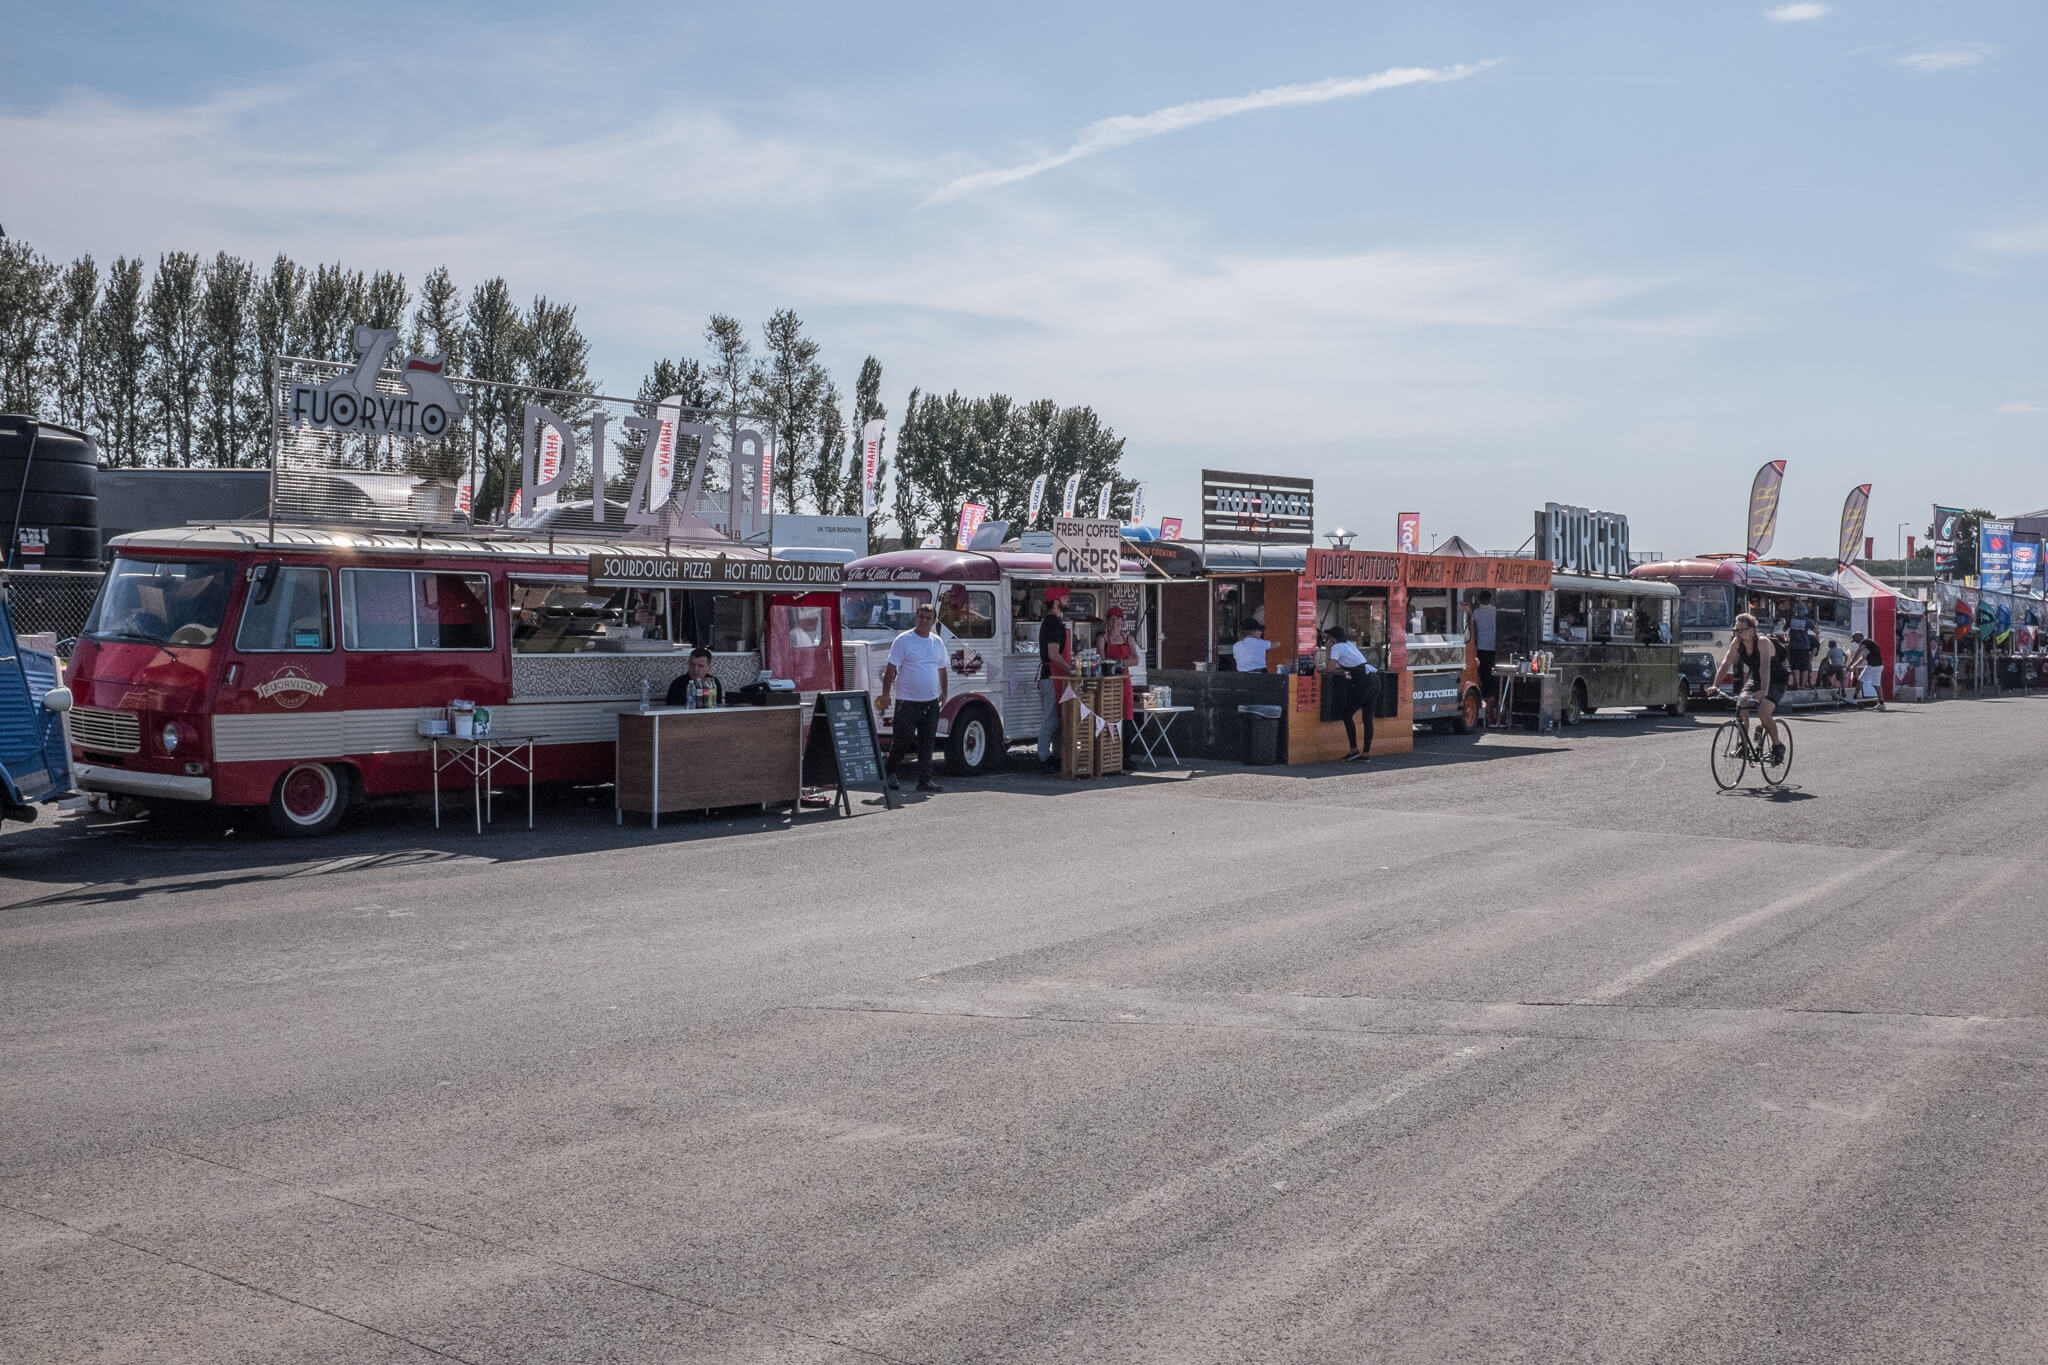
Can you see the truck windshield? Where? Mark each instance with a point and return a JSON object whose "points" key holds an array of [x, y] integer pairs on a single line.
{"points": [[1706, 606], [891, 609], [162, 601]]}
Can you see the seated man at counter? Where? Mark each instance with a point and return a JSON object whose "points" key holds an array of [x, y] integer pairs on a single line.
{"points": [[697, 689], [1250, 652]]}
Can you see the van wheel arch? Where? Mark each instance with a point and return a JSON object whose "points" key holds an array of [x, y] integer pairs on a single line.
{"points": [[974, 741], [310, 798]]}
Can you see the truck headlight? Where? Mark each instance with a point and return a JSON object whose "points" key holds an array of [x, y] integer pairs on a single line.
{"points": [[170, 736]]}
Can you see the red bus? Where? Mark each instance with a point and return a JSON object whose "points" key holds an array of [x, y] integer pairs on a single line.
{"points": [[290, 670]]}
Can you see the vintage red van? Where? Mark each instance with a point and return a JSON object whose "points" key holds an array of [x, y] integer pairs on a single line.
{"points": [[290, 669]]}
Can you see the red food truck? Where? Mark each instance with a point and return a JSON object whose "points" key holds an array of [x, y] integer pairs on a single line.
{"points": [[291, 668]]}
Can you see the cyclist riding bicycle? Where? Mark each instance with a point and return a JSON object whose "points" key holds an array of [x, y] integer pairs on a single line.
{"points": [[1756, 655]]}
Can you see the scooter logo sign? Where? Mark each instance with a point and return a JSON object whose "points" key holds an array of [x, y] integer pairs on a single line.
{"points": [[290, 688], [352, 402], [966, 662]]}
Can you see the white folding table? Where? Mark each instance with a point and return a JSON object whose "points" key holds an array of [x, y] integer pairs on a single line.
{"points": [[1153, 722]]}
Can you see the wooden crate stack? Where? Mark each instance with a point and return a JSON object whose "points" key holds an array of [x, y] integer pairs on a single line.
{"points": [[1083, 751]]}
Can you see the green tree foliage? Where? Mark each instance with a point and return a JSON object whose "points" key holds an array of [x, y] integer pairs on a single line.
{"points": [[71, 355], [121, 355], [234, 410], [791, 383], [867, 407], [437, 321], [955, 450], [824, 473], [176, 353], [327, 319], [27, 286], [1966, 538], [494, 343]]}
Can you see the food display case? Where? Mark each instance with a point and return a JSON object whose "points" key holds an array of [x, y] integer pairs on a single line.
{"points": [[1436, 663]]}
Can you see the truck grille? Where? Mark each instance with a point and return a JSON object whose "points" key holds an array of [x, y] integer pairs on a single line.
{"points": [[108, 732]]}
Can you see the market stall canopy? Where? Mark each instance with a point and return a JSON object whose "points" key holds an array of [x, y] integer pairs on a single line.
{"points": [[1458, 545], [1861, 585]]}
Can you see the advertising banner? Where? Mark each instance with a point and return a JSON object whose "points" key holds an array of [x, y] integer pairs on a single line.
{"points": [[1948, 526], [870, 462], [1102, 501], [1087, 547], [1073, 488], [1169, 528], [1994, 555], [1408, 532], [1277, 509], [971, 515], [2026, 565], [1853, 511], [1763, 509], [1138, 505], [1037, 500]]}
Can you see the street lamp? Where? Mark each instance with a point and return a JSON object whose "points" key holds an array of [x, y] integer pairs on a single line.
{"points": [[1340, 539], [1899, 540]]}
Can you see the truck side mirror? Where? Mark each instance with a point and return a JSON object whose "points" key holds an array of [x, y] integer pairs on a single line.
{"points": [[57, 699], [263, 577]]}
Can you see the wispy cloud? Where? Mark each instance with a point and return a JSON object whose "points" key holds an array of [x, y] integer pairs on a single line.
{"points": [[1106, 134], [2021, 409], [1945, 58], [2030, 239], [1803, 13]]}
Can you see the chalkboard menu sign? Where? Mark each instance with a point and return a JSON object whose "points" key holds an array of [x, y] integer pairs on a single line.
{"points": [[843, 749]]}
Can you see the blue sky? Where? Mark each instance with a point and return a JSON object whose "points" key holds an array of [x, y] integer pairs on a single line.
{"points": [[1608, 254]]}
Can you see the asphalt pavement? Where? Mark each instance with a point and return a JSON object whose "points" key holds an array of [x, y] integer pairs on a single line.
{"points": [[1521, 1049]]}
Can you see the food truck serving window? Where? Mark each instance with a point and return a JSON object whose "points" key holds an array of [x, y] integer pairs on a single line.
{"points": [[558, 618], [882, 608], [395, 609], [162, 601], [287, 609], [1707, 606]]}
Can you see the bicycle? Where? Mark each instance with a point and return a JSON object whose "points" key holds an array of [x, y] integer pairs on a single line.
{"points": [[1741, 742]]}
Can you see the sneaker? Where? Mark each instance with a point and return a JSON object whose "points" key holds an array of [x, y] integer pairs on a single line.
{"points": [[1351, 757], [894, 785], [1880, 706], [930, 787], [1777, 754]]}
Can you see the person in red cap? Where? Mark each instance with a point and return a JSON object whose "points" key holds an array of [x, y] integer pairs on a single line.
{"points": [[1055, 666]]}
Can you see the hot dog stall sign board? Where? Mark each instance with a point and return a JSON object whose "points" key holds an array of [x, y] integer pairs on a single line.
{"points": [[1275, 508], [1087, 547]]}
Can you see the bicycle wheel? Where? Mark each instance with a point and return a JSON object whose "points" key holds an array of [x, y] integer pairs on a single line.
{"points": [[1730, 756], [1776, 773]]}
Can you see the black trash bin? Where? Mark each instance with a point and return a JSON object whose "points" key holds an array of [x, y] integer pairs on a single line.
{"points": [[1261, 727]]}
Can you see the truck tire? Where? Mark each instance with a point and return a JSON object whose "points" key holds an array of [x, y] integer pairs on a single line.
{"points": [[1469, 713], [975, 745], [309, 799]]}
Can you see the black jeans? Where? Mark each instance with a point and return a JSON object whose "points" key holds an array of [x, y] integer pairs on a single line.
{"points": [[1360, 696], [919, 718]]}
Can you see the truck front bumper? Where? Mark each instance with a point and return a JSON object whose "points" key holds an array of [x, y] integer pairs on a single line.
{"points": [[157, 786]]}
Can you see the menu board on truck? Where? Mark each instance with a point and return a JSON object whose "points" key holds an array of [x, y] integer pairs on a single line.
{"points": [[1087, 547]]}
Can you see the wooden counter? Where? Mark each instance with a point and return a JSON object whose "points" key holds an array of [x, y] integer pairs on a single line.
{"points": [[673, 759]]}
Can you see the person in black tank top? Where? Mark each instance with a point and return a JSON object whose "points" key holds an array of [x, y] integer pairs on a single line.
{"points": [[1764, 673]]}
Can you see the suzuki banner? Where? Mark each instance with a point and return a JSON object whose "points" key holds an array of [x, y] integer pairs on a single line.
{"points": [[1102, 502], [1138, 505], [1994, 555], [1073, 488], [1763, 509], [1037, 500], [1852, 523]]}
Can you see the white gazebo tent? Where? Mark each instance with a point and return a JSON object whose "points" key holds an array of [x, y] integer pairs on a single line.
{"points": [[1899, 625]]}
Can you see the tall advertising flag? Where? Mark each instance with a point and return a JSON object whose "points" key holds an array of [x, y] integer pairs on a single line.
{"points": [[1408, 532], [1037, 500], [2026, 565], [870, 463], [971, 514], [1073, 489], [1948, 525], [1102, 503], [1852, 522], [1994, 555], [1763, 509], [661, 477], [1138, 505]]}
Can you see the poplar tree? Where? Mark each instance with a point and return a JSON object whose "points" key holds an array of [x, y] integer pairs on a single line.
{"points": [[120, 359], [233, 415], [791, 384], [280, 300], [71, 344], [384, 300], [492, 345], [328, 315], [825, 472], [733, 377], [437, 321], [176, 353], [26, 284], [867, 407]]}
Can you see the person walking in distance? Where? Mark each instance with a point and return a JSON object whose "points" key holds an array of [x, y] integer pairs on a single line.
{"points": [[1484, 639], [1869, 660], [917, 673], [1055, 666]]}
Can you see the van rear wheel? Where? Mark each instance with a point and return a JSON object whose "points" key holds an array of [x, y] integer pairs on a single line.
{"points": [[309, 799], [975, 743]]}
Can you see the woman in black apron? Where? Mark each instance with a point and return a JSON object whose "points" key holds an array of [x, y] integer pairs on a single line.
{"points": [[1358, 684]]}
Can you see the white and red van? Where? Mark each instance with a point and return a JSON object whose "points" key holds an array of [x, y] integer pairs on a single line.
{"points": [[290, 669], [990, 603]]}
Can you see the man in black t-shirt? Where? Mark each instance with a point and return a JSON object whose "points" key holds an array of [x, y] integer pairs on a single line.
{"points": [[1054, 668], [1865, 652]]}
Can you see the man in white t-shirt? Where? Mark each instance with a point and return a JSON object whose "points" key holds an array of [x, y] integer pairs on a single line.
{"points": [[917, 675], [1250, 652]]}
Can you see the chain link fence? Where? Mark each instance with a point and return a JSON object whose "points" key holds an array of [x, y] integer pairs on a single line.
{"points": [[51, 603]]}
